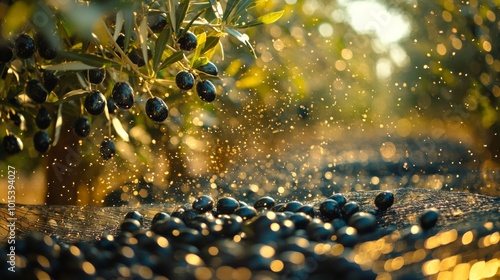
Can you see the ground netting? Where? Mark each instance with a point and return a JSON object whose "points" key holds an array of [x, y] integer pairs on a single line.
{"points": [[465, 241], [464, 244]]}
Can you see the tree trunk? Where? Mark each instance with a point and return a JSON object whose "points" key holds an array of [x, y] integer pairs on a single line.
{"points": [[67, 171]]}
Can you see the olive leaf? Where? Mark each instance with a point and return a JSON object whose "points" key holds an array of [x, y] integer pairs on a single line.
{"points": [[173, 58], [74, 94], [117, 125], [242, 38], [231, 4], [118, 24], [143, 35], [210, 43], [240, 8], [172, 8], [58, 128], [200, 61], [217, 8], [265, 19], [201, 38], [52, 98], [180, 13], [69, 66], [205, 76], [89, 59], [160, 45], [129, 19]]}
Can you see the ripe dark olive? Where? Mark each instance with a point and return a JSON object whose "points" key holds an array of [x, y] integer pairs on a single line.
{"points": [[43, 118], [12, 144], [45, 47], [278, 207], [107, 149], [157, 21], [36, 91], [320, 232], [341, 200], [300, 220], [429, 218], [266, 202], [95, 102], [135, 215], [363, 222], [25, 46], [137, 58], [120, 41], [160, 216], [349, 208], [50, 80], [292, 206], [206, 90], [384, 200], [209, 68], [184, 80], [82, 127], [330, 209], [347, 236], [156, 109], [306, 209], [41, 141], [111, 106], [16, 118], [96, 76], [203, 204], [6, 51], [188, 41], [130, 225], [227, 205], [246, 212], [123, 95]]}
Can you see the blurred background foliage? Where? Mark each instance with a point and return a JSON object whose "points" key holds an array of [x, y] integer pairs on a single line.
{"points": [[325, 72]]}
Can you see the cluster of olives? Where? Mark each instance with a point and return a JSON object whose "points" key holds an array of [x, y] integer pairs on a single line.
{"points": [[122, 94], [208, 235], [25, 47]]}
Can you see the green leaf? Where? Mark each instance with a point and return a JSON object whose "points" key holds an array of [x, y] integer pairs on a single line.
{"points": [[242, 38], [59, 122], [202, 38], [176, 56], [200, 61], [118, 25], [143, 38], [160, 45], [74, 94], [265, 19], [229, 8], [89, 59], [117, 125], [205, 76], [180, 13], [52, 98], [129, 18], [193, 20], [212, 41], [240, 9], [172, 8], [69, 66], [216, 7]]}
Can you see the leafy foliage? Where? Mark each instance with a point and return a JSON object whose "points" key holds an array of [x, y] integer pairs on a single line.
{"points": [[116, 36]]}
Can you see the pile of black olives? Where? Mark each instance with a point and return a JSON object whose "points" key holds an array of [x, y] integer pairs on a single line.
{"points": [[209, 238]]}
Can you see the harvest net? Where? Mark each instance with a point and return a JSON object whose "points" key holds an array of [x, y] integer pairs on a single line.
{"points": [[465, 241]]}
